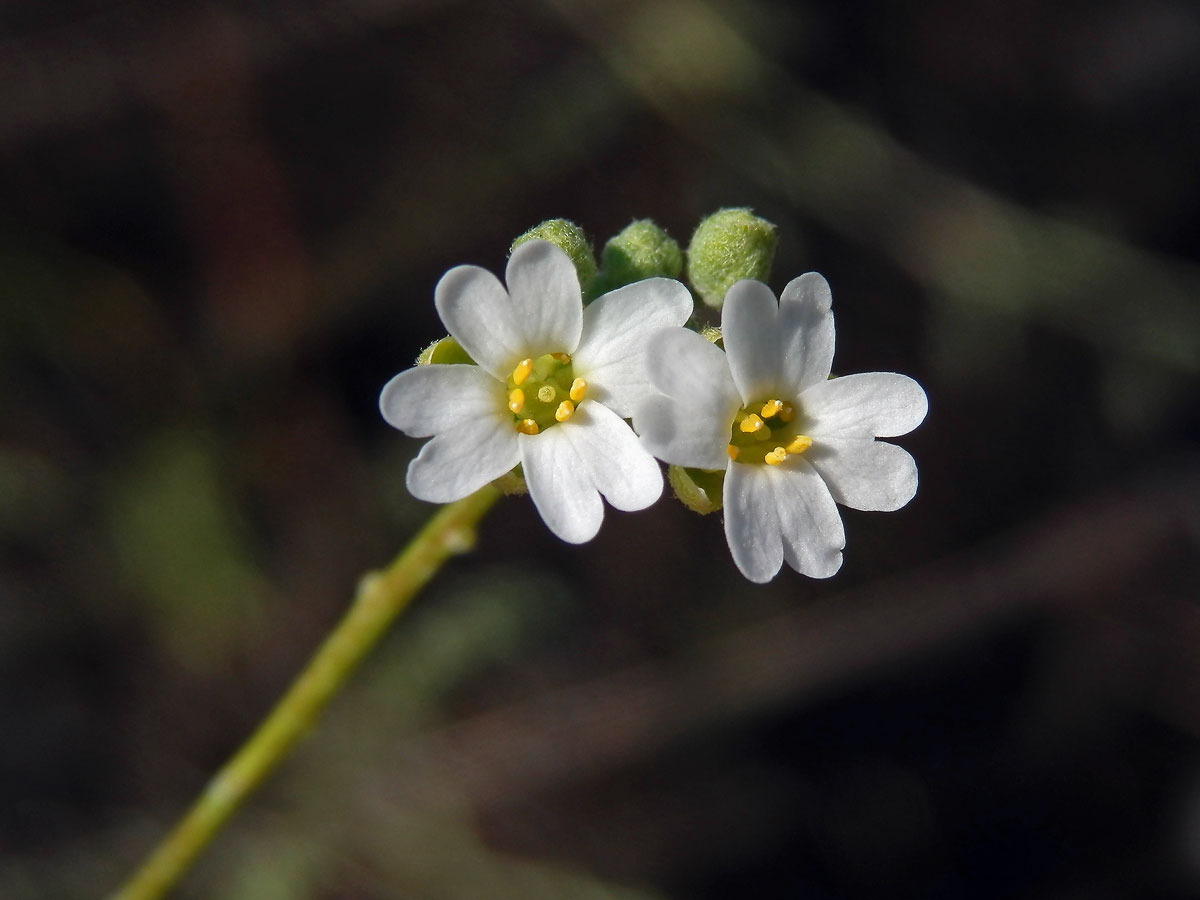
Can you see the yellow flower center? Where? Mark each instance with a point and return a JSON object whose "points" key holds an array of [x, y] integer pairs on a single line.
{"points": [[766, 433], [542, 392]]}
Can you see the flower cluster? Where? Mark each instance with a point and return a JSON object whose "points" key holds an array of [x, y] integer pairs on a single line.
{"points": [[550, 384]]}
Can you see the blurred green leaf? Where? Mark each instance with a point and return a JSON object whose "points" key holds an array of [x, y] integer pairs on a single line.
{"points": [[182, 546]]}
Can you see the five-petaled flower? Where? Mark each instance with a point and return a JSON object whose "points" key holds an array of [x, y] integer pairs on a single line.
{"points": [[790, 439], [551, 389]]}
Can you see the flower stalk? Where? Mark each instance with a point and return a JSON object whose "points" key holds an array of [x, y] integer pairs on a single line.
{"points": [[380, 598]]}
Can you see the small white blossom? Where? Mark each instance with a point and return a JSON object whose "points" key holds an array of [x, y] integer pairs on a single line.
{"points": [[791, 440], [551, 389]]}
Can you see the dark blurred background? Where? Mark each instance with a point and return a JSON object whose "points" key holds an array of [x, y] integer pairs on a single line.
{"points": [[220, 228]]}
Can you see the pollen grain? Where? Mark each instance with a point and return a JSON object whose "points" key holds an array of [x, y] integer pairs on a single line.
{"points": [[775, 457], [522, 371], [751, 424], [799, 443]]}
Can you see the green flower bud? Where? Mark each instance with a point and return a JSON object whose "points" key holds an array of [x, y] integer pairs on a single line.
{"points": [[712, 334], [697, 489], [444, 351], [641, 250], [728, 246], [570, 238]]}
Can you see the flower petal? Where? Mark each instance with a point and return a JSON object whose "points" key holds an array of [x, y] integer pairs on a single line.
{"points": [[546, 300], [781, 513], [478, 313], [615, 462], [750, 327], [463, 459], [862, 474], [560, 486], [683, 433], [427, 399], [689, 423], [616, 330], [806, 331], [810, 523], [872, 404], [752, 522], [685, 366]]}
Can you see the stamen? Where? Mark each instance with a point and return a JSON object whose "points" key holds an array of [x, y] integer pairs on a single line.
{"points": [[547, 393], [516, 400], [528, 426], [799, 443], [565, 410], [751, 424], [759, 433], [521, 372], [562, 358], [771, 407], [578, 389]]}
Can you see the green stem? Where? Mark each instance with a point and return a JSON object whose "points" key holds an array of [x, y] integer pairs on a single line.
{"points": [[381, 596]]}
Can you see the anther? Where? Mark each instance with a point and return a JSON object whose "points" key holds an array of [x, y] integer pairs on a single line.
{"points": [[751, 424], [516, 400], [528, 426], [799, 443], [565, 410], [787, 412], [771, 407], [562, 358], [521, 372], [732, 451], [578, 389], [775, 457]]}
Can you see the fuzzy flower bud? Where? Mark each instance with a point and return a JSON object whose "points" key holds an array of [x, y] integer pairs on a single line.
{"points": [[569, 238], [641, 250], [728, 246]]}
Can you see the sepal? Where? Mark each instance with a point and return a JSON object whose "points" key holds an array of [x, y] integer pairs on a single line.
{"points": [[697, 489], [446, 351]]}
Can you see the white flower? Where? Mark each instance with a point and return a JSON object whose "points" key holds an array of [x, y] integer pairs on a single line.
{"points": [[790, 439], [554, 382]]}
